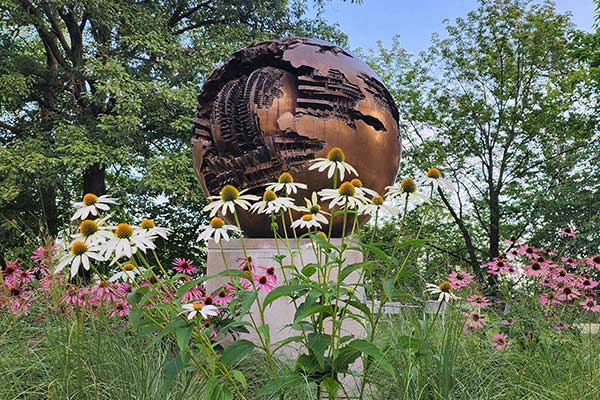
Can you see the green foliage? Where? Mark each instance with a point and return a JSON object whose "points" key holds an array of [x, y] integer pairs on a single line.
{"points": [[111, 85]]}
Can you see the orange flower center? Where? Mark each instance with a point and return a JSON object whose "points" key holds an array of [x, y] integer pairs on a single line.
{"points": [[147, 224], [90, 199], [124, 230], [78, 248]]}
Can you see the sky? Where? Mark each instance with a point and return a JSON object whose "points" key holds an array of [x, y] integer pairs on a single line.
{"points": [[416, 20]]}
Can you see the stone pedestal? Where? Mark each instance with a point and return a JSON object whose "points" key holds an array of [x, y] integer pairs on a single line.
{"points": [[281, 312]]}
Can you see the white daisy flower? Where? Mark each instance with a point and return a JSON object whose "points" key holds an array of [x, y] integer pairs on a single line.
{"points": [[286, 184], [93, 232], [91, 204], [434, 177], [205, 310], [313, 207], [272, 204], [307, 221], [126, 241], [407, 191], [345, 194], [150, 227], [443, 291], [216, 230], [128, 273], [335, 161], [376, 206], [362, 191], [79, 254], [228, 199]]}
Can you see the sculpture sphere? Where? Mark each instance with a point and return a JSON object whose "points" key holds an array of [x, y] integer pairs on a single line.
{"points": [[274, 106]]}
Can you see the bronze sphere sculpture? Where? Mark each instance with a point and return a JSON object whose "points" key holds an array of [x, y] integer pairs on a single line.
{"points": [[274, 106]]}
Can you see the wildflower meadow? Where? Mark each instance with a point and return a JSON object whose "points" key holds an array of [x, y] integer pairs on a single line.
{"points": [[475, 275]]}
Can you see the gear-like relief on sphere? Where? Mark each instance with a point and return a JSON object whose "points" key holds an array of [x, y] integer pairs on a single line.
{"points": [[274, 106]]}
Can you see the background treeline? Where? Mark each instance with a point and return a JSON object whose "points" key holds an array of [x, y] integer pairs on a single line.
{"points": [[98, 95]]}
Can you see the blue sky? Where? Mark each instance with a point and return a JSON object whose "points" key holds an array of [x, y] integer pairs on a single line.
{"points": [[416, 20]]}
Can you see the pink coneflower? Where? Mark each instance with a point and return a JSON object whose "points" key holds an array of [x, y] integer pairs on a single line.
{"points": [[569, 261], [590, 304], [475, 321], [19, 301], [478, 301], [567, 231], [460, 279], [567, 293], [508, 321], [195, 293], [534, 269], [561, 326], [593, 261], [548, 299], [46, 283], [184, 266], [11, 272], [246, 264], [513, 240], [208, 300], [561, 275], [528, 251], [24, 276], [264, 282], [120, 309], [71, 295], [102, 292], [586, 283], [496, 266], [85, 297], [270, 273], [44, 256], [223, 297], [499, 341]]}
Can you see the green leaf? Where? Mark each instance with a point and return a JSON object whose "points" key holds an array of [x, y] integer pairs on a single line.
{"points": [[183, 336], [318, 343], [265, 332], [308, 309], [281, 291], [172, 368], [309, 270], [353, 267], [248, 298], [408, 342], [237, 351], [238, 376]]}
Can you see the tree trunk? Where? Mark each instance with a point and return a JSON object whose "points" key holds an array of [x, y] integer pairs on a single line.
{"points": [[50, 211], [494, 225], [94, 180]]}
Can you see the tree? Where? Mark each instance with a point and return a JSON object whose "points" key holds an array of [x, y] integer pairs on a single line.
{"points": [[99, 94], [498, 105]]}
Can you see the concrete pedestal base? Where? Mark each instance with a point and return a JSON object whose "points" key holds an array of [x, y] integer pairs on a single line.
{"points": [[280, 312]]}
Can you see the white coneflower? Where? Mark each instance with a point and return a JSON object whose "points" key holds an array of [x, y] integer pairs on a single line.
{"points": [[92, 232], [406, 191], [306, 221], [335, 161], [362, 191], [126, 241], [150, 227], [216, 230], [435, 178], [228, 199], [443, 291], [286, 184], [91, 204], [79, 254], [313, 207], [205, 310], [272, 204], [376, 205], [344, 195], [127, 273]]}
